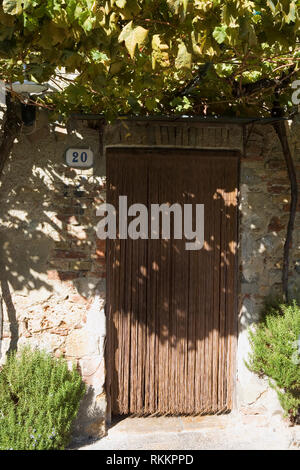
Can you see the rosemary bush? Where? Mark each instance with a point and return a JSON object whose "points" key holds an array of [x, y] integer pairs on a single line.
{"points": [[39, 400], [275, 354]]}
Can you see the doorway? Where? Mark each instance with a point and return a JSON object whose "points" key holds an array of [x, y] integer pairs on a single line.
{"points": [[171, 312]]}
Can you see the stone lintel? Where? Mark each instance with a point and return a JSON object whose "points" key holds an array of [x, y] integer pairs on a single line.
{"points": [[190, 134]]}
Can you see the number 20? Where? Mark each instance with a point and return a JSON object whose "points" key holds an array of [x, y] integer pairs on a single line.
{"points": [[83, 157]]}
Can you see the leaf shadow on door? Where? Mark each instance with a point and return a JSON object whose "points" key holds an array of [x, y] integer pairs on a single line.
{"points": [[172, 312]]}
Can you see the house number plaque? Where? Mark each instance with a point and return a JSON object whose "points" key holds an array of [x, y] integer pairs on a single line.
{"points": [[77, 157]]}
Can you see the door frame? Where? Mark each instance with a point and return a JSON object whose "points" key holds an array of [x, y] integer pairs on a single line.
{"points": [[238, 154]]}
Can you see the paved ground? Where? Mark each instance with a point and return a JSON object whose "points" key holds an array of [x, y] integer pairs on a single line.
{"points": [[206, 433]]}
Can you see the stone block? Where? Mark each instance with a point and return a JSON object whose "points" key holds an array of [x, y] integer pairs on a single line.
{"points": [[81, 343], [80, 265], [100, 248], [253, 410], [258, 421], [275, 225]]}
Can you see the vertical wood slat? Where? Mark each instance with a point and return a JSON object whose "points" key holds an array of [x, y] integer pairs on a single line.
{"points": [[171, 312], [216, 214], [231, 320]]}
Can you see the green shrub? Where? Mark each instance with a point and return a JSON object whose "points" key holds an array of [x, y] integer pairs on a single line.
{"points": [[275, 354], [39, 400]]}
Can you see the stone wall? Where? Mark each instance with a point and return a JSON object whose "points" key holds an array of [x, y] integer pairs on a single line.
{"points": [[264, 214], [53, 267]]}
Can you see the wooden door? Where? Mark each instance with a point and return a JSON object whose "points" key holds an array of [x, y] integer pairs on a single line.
{"points": [[172, 312]]}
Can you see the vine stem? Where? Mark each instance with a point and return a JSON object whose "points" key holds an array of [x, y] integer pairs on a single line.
{"points": [[11, 130], [281, 130]]}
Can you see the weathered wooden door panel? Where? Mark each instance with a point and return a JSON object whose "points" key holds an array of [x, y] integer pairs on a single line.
{"points": [[172, 312]]}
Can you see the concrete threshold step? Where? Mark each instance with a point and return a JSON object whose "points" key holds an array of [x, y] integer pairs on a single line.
{"points": [[169, 424]]}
